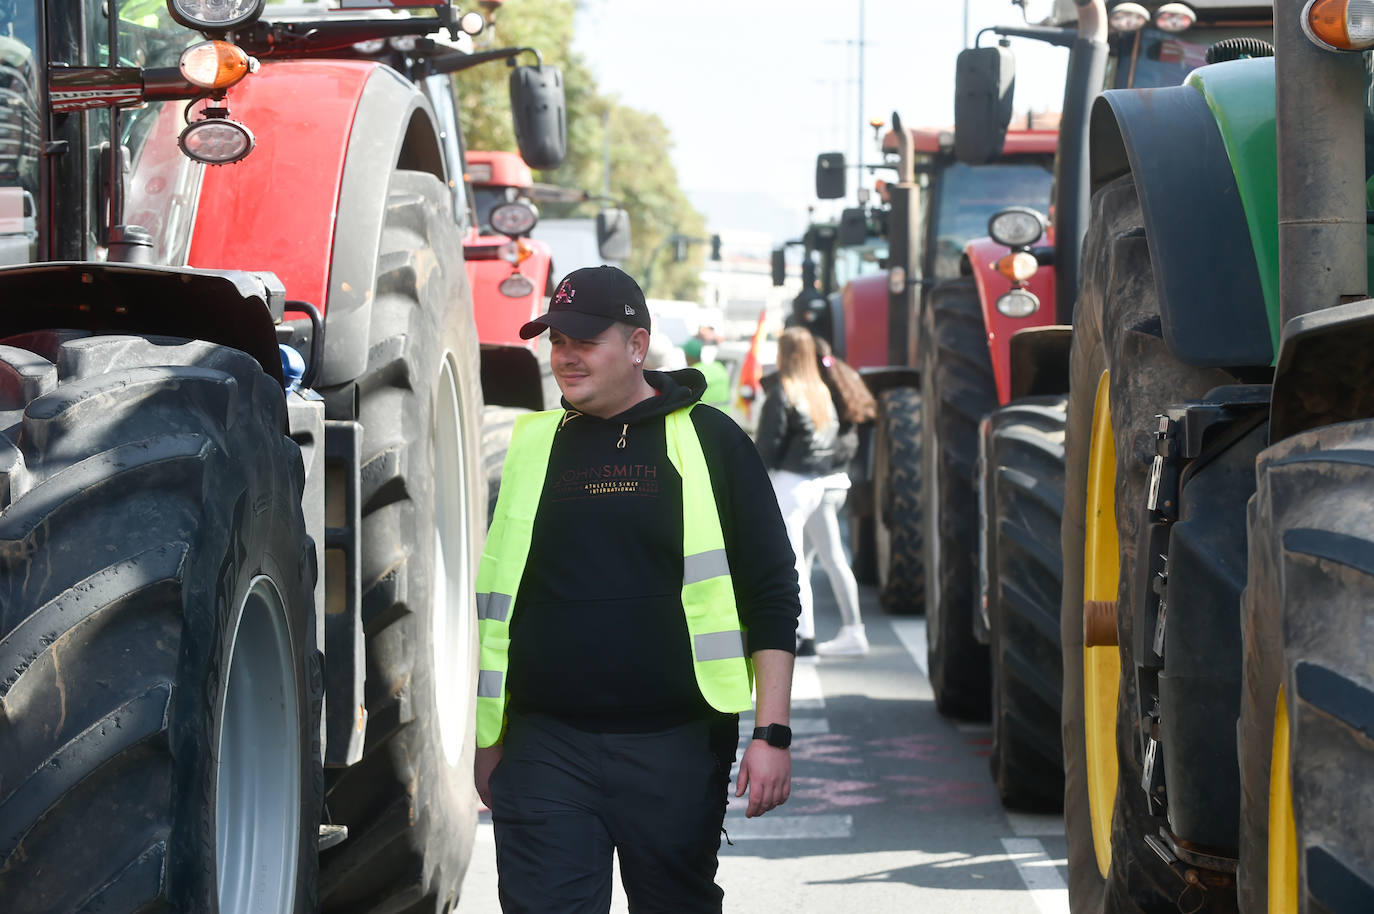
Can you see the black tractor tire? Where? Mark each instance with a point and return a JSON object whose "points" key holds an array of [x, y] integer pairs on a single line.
{"points": [[958, 389], [498, 425], [1117, 329], [409, 804], [151, 528], [863, 546], [1025, 495], [896, 522], [1306, 630]]}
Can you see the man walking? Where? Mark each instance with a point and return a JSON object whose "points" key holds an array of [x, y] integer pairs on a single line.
{"points": [[636, 544]]}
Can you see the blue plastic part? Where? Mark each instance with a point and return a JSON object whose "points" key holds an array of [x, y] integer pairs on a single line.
{"points": [[292, 366]]}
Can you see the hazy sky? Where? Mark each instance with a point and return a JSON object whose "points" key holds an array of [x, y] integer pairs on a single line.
{"points": [[753, 89]]}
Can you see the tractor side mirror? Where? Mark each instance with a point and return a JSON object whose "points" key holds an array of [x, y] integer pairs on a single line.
{"points": [[779, 267], [853, 227], [830, 176], [613, 234], [984, 79], [541, 116]]}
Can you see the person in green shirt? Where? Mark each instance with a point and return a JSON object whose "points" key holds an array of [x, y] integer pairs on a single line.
{"points": [[717, 375]]}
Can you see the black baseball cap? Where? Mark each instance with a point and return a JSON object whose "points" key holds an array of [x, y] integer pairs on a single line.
{"points": [[588, 301]]}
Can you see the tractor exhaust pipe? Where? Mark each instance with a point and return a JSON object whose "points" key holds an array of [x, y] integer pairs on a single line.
{"points": [[1320, 170], [1073, 197]]}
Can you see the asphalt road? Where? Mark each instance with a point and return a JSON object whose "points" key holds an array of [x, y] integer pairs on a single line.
{"points": [[892, 808]]}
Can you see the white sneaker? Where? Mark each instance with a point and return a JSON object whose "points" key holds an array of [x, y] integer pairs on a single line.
{"points": [[850, 641]]}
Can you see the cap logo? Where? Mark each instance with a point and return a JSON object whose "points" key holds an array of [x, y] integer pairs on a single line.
{"points": [[565, 294], [629, 310]]}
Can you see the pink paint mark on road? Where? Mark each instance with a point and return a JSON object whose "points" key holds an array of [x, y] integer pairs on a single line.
{"points": [[830, 749], [941, 793]]}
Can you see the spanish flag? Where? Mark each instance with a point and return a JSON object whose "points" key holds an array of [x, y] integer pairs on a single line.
{"points": [[750, 372]]}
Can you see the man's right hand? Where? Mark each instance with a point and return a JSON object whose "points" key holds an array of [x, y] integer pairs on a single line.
{"points": [[484, 763]]}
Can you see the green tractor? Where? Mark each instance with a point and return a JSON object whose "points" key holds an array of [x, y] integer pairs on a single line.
{"points": [[1218, 541], [993, 618]]}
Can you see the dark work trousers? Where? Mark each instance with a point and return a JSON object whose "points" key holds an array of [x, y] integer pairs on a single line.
{"points": [[563, 798]]}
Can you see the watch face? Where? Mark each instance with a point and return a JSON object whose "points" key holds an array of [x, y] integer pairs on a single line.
{"points": [[775, 735]]}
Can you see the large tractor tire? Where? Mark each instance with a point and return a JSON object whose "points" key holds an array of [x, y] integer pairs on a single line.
{"points": [[160, 701], [863, 546], [1025, 495], [1121, 374], [896, 528], [409, 804], [498, 425], [1306, 755], [958, 389]]}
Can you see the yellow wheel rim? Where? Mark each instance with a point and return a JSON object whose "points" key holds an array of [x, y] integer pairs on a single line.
{"points": [[1101, 665], [1283, 830]]}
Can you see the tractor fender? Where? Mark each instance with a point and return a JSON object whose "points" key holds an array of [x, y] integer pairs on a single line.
{"points": [[1212, 303], [1322, 370], [231, 307], [309, 202], [1039, 360], [880, 378], [982, 255], [865, 321]]}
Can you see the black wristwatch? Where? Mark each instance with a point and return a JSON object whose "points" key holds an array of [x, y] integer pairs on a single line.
{"points": [[775, 735]]}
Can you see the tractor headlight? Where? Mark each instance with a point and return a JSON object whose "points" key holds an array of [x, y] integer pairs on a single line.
{"points": [[1128, 17], [214, 15], [472, 23], [515, 286], [1018, 303], [1016, 226], [514, 218], [216, 141], [1175, 17]]}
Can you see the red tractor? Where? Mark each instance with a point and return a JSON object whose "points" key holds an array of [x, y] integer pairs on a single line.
{"points": [[241, 499], [937, 206], [511, 277]]}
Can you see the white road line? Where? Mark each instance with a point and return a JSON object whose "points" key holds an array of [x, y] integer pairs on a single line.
{"points": [[1039, 873], [912, 634], [806, 687], [773, 827], [1029, 826]]}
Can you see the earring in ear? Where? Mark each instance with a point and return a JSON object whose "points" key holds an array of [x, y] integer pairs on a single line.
{"points": [[637, 361]]}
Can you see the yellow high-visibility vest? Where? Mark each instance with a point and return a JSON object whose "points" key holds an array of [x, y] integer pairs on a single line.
{"points": [[723, 670]]}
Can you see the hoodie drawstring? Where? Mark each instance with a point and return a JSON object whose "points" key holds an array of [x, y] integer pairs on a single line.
{"points": [[624, 430]]}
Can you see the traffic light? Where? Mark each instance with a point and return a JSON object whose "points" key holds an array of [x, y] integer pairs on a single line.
{"points": [[679, 248], [715, 247]]}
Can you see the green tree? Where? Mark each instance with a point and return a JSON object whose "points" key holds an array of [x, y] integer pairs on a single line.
{"points": [[642, 176]]}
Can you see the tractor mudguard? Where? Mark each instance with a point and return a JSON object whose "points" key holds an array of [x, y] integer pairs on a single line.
{"points": [[1178, 143], [328, 132], [1323, 368], [865, 321], [1039, 360], [982, 255], [879, 379], [230, 307]]}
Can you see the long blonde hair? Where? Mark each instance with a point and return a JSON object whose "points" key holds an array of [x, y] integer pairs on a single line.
{"points": [[800, 376]]}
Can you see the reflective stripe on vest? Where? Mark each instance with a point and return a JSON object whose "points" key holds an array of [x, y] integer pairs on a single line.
{"points": [[723, 671]]}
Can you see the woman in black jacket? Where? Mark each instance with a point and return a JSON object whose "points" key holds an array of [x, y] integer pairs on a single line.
{"points": [[799, 438]]}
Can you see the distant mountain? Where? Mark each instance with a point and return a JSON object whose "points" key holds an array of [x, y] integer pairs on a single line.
{"points": [[754, 211]]}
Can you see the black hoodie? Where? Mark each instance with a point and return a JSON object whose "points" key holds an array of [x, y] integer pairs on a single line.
{"points": [[598, 635]]}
